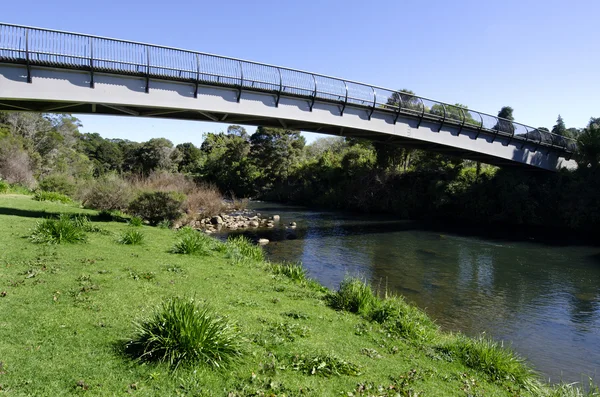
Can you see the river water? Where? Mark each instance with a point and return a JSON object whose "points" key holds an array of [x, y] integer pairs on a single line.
{"points": [[540, 298]]}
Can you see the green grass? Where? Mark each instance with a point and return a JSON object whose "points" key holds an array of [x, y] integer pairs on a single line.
{"points": [[354, 295], [131, 237], [51, 196], [66, 310], [136, 221], [183, 331], [294, 271], [192, 242]]}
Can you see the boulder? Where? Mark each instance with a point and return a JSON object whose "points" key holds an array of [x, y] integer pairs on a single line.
{"points": [[216, 220], [263, 241], [253, 224], [276, 218]]}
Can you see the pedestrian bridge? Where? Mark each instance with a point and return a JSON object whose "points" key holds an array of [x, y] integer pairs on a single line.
{"points": [[44, 70]]}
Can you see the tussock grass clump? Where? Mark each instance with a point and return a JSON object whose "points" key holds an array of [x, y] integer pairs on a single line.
{"points": [[193, 242], [131, 237], [51, 196], [569, 390], [4, 187], [354, 295], [136, 221], [183, 331], [58, 231], [292, 270], [488, 356], [404, 320], [323, 365], [240, 249]]}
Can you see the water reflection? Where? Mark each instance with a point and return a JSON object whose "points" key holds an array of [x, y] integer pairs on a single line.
{"points": [[542, 299]]}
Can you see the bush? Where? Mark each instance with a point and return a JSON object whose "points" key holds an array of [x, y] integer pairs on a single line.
{"points": [[294, 271], [58, 231], [183, 331], [131, 237], [51, 196], [4, 187], [58, 183], [354, 295], [108, 193], [157, 206]]}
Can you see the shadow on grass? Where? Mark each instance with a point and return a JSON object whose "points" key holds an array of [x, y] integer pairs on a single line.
{"points": [[98, 217]]}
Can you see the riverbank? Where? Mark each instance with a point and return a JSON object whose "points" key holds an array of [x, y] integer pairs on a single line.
{"points": [[67, 309]]}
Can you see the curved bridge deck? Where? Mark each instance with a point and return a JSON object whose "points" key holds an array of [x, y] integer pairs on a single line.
{"points": [[50, 71]]}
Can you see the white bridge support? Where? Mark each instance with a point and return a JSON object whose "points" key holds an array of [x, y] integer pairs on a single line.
{"points": [[69, 91]]}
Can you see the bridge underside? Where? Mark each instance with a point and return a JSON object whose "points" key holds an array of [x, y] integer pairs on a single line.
{"points": [[69, 91]]}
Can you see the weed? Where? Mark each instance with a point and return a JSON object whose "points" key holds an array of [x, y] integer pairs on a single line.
{"points": [[174, 269], [354, 295], [323, 365], [4, 187], [296, 315], [294, 271], [165, 224], [183, 331], [58, 231], [51, 196], [136, 221], [371, 353], [131, 237]]}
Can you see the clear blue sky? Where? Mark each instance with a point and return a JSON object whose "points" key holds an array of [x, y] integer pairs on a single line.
{"points": [[540, 57]]}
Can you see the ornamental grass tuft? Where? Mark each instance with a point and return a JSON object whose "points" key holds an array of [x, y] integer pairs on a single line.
{"points": [[59, 231], [183, 331], [354, 295], [131, 237]]}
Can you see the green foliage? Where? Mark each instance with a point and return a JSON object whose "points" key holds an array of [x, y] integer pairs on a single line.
{"points": [[108, 192], [155, 207], [241, 249], [58, 231], [192, 242], [354, 295], [491, 358], [183, 331], [51, 196], [59, 183], [131, 237], [294, 271], [323, 365], [403, 320], [4, 187], [588, 144], [136, 221]]}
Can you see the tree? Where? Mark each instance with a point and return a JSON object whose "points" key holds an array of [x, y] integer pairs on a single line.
{"points": [[504, 123], [560, 128], [190, 157], [276, 151], [588, 144], [506, 113], [406, 99], [156, 154]]}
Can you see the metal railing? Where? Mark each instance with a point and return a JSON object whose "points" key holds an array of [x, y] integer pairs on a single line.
{"points": [[44, 47]]}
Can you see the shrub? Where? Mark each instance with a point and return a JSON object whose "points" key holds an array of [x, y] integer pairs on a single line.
{"points": [[157, 206], [487, 356], [136, 221], [108, 193], [183, 331], [354, 295], [294, 271], [4, 187], [131, 237], [59, 183], [58, 231], [323, 365], [240, 248], [51, 196], [205, 200]]}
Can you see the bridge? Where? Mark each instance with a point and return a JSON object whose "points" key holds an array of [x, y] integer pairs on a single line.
{"points": [[44, 70]]}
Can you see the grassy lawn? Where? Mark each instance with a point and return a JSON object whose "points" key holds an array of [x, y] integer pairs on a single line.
{"points": [[67, 309]]}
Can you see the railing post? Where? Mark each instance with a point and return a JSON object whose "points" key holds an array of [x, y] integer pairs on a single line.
{"points": [[345, 100], [280, 88], [314, 97], [239, 95], [422, 112], [147, 70], [444, 119], [464, 119], [374, 103], [197, 75], [27, 55], [480, 125], [400, 104], [91, 42]]}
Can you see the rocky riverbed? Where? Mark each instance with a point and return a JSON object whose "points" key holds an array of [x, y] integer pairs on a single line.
{"points": [[235, 220]]}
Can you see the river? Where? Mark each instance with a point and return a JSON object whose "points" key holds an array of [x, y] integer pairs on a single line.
{"points": [[542, 299]]}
